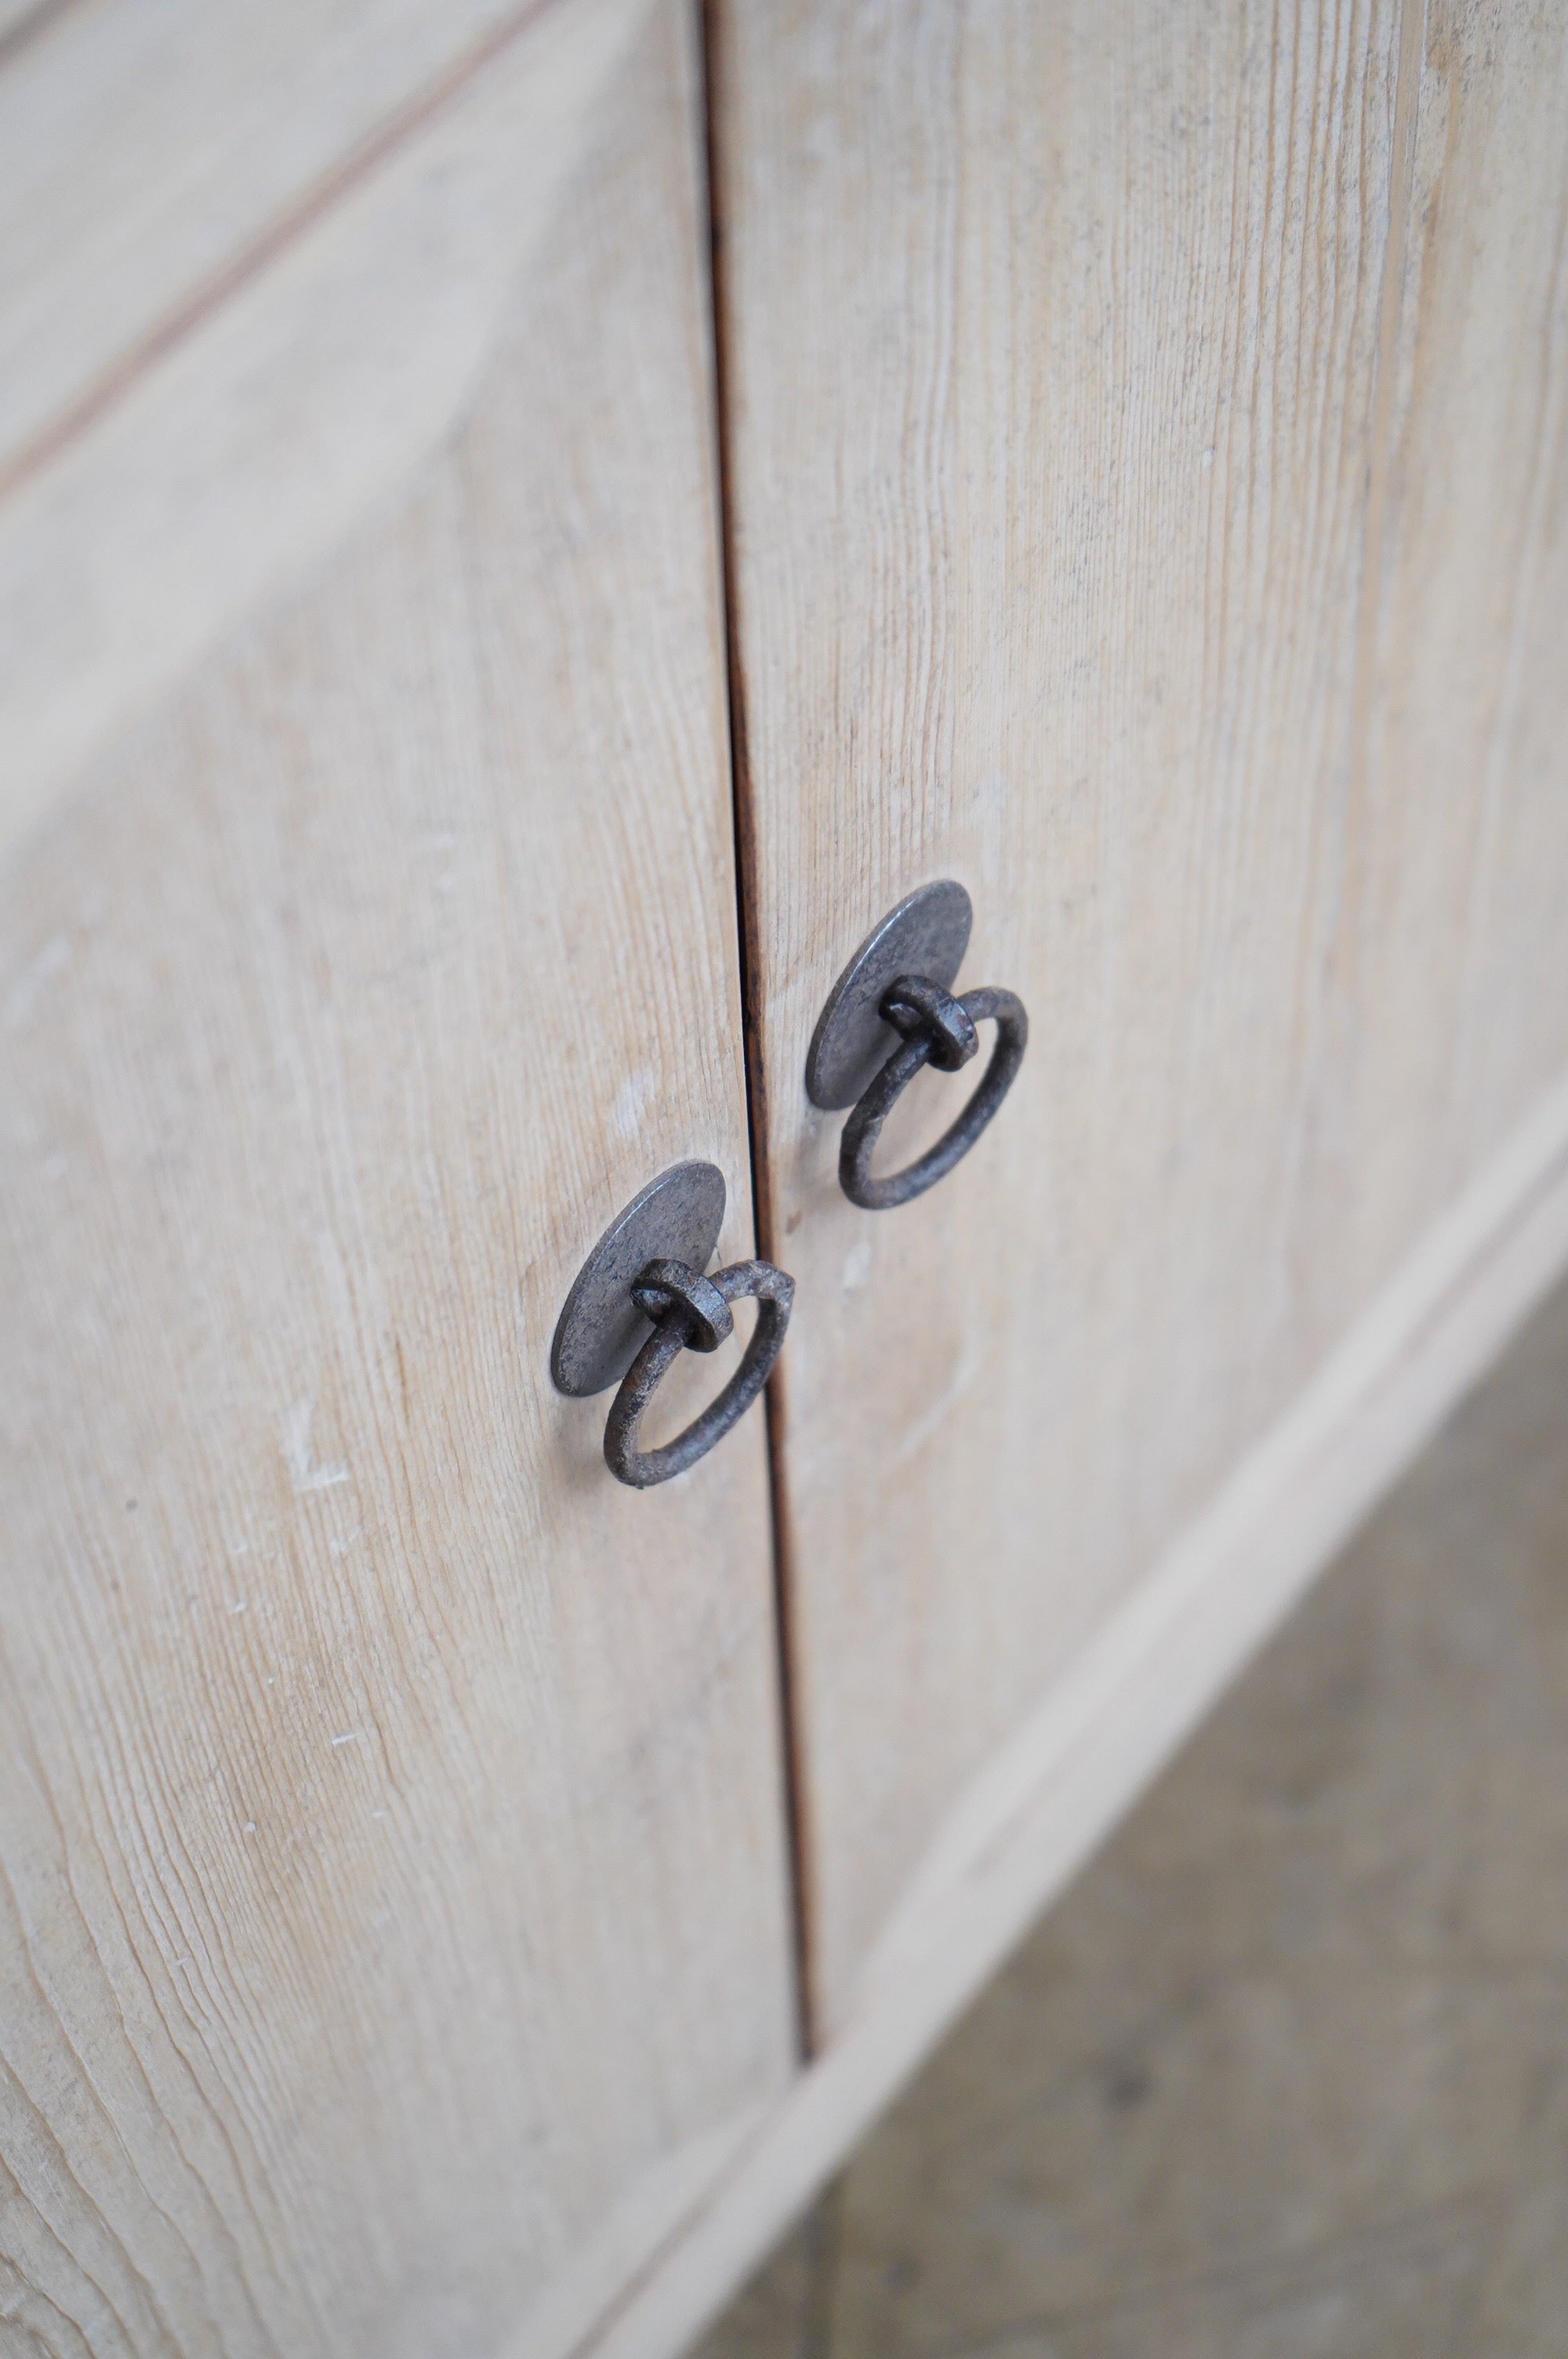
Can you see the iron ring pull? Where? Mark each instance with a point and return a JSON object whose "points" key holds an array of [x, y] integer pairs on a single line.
{"points": [[692, 1313], [937, 1030]]}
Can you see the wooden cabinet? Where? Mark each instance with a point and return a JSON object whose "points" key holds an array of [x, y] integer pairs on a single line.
{"points": [[522, 534]]}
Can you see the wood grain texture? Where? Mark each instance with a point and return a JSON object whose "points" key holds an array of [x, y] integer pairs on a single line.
{"points": [[230, 459], [153, 147], [393, 1918], [1098, 384]]}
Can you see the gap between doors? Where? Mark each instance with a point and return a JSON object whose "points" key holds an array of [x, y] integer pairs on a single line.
{"points": [[709, 51]]}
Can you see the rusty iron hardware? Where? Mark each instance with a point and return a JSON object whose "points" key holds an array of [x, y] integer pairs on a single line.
{"points": [[897, 984], [641, 1300], [940, 1031], [693, 1314]]}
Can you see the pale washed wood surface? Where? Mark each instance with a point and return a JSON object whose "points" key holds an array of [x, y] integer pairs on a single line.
{"points": [[154, 149], [233, 456], [392, 1922], [1148, 461]]}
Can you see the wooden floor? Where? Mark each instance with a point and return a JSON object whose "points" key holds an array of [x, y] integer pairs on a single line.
{"points": [[1286, 2075]]}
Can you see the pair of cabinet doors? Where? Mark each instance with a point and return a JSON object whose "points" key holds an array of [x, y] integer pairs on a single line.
{"points": [[523, 532]]}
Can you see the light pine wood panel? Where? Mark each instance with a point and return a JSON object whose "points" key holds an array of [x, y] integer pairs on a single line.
{"points": [[236, 454], [155, 148], [1097, 384], [1451, 985], [392, 1927]]}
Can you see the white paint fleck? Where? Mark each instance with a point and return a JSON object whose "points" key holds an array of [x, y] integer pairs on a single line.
{"points": [[22, 998], [378, 1814], [858, 1265], [347, 1736], [1207, 459], [241, 1606], [631, 1099], [250, 1826], [308, 1475]]}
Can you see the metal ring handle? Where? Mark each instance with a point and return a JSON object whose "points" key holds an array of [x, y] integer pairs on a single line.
{"points": [[687, 1307], [939, 1031]]}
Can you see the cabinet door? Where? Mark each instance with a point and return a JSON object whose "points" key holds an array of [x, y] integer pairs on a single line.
{"points": [[394, 1915], [1147, 462]]}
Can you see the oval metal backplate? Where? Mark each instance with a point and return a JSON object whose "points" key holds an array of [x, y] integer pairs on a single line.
{"points": [[926, 934], [676, 1217]]}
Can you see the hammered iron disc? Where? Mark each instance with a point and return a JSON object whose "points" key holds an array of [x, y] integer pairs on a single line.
{"points": [[926, 934], [676, 1217]]}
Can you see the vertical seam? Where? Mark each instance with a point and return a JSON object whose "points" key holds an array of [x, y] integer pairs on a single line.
{"points": [[749, 936]]}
